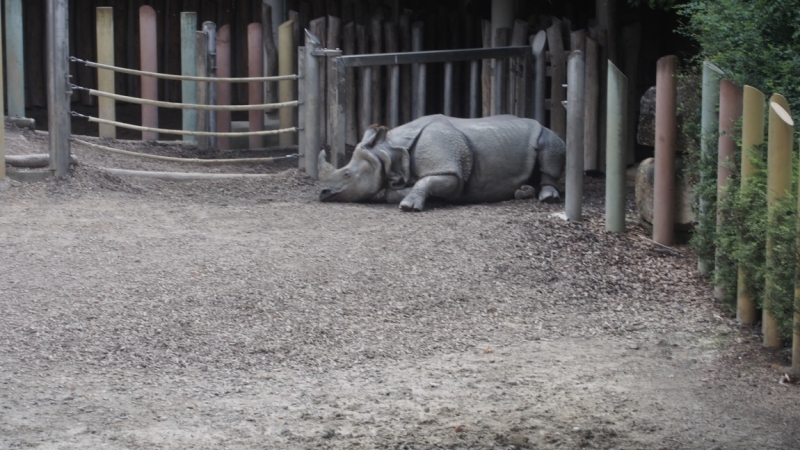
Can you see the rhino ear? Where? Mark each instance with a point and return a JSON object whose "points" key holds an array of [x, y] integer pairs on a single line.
{"points": [[374, 135], [395, 165]]}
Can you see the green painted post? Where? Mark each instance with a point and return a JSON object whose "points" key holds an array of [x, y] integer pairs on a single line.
{"points": [[709, 120], [616, 152], [189, 68], [15, 59]]}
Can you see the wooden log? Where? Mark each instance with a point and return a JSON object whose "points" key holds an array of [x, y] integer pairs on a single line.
{"points": [[318, 28], [15, 58], [332, 42], [148, 32], [558, 114], [376, 46], [486, 71], [591, 105], [286, 88], [393, 88], [516, 79], [270, 54], [405, 69], [105, 78], [224, 90], [351, 114], [255, 93], [631, 35]]}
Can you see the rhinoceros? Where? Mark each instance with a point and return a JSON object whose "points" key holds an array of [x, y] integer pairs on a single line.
{"points": [[458, 160]]}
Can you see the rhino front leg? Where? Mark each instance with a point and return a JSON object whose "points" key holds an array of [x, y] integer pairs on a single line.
{"points": [[443, 186], [396, 196]]}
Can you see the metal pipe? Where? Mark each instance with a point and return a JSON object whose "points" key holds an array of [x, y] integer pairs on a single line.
{"points": [[312, 105], [752, 135], [540, 85], [211, 29], [58, 93], [708, 128], [616, 139], [666, 138], [730, 110], [474, 89], [573, 195], [448, 89], [779, 182]]}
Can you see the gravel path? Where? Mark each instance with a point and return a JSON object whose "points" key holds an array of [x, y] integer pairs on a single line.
{"points": [[244, 314]]}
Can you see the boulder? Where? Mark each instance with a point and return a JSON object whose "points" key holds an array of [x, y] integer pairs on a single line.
{"points": [[688, 96], [684, 216]]}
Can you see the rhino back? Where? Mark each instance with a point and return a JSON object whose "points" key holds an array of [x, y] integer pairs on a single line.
{"points": [[504, 155]]}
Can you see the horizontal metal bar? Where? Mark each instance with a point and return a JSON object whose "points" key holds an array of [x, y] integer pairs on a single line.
{"points": [[167, 76], [470, 54]]}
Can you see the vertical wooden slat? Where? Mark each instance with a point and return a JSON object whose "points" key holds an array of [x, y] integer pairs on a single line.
{"points": [[286, 88], [301, 110], [486, 70], [500, 80], [319, 28], [351, 116], [558, 114], [15, 58], [332, 41], [376, 46], [363, 98], [393, 71], [519, 37], [270, 54], [255, 66], [405, 69], [201, 60], [224, 89], [148, 32], [105, 78]]}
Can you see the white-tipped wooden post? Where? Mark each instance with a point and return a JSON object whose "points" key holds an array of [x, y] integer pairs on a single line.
{"points": [[189, 68], [616, 139], [105, 78], [15, 58], [573, 196], [58, 92], [286, 57], [148, 54]]}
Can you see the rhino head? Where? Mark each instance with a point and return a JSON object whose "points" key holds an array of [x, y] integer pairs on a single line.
{"points": [[375, 161]]}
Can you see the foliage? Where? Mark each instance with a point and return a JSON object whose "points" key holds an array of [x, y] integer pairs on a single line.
{"points": [[754, 42]]}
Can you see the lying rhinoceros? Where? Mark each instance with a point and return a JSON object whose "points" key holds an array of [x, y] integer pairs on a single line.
{"points": [[458, 160]]}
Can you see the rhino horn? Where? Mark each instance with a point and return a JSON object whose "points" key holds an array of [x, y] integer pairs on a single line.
{"points": [[325, 169]]}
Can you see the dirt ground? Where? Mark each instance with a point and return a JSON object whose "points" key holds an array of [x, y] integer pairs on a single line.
{"points": [[244, 314]]}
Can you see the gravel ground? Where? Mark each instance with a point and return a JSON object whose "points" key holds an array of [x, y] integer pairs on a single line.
{"points": [[244, 314]]}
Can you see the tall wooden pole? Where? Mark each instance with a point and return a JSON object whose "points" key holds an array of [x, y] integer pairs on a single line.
{"points": [[752, 135], [312, 90], [105, 78], [15, 57], [779, 182], [58, 94], [666, 138], [224, 90], [573, 196], [189, 68], [286, 93], [201, 62], [255, 93], [148, 53], [558, 114], [616, 142], [210, 29], [730, 111]]}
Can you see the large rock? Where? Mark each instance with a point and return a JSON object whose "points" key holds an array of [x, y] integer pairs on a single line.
{"points": [[684, 216], [688, 96]]}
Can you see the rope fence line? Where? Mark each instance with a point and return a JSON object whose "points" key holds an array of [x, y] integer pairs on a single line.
{"points": [[167, 76], [141, 101], [181, 160], [186, 132], [184, 176]]}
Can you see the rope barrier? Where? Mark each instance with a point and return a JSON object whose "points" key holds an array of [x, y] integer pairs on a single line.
{"points": [[185, 132], [141, 101], [167, 76], [181, 160], [184, 176]]}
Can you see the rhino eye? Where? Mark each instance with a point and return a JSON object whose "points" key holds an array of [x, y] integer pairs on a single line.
{"points": [[347, 174]]}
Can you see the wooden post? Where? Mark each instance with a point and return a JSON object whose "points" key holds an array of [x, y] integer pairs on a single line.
{"points": [[708, 127], [779, 182], [573, 191], [210, 29], [319, 29], [516, 79], [752, 135], [255, 93], [148, 51], [592, 99], [58, 94], [632, 37], [314, 127], [393, 91], [474, 89], [500, 81], [540, 84], [105, 78], [558, 77], [15, 58], [666, 137], [730, 111], [376, 40], [418, 73], [331, 43], [616, 137], [351, 114], [486, 70], [601, 36], [201, 62], [301, 109], [270, 56], [286, 92], [224, 91], [405, 70], [189, 68], [364, 102]]}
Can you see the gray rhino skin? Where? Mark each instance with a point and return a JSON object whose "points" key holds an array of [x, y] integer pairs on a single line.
{"points": [[457, 160]]}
